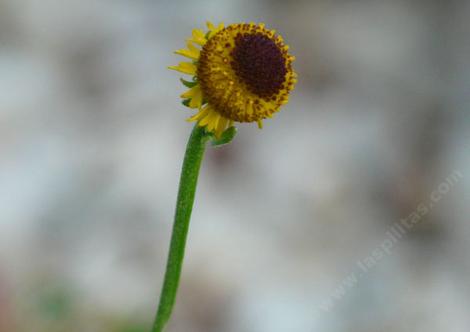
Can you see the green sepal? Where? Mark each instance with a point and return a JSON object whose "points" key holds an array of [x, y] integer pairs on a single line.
{"points": [[186, 102], [188, 84], [226, 137]]}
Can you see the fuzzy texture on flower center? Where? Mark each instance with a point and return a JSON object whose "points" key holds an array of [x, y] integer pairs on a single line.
{"points": [[259, 63]]}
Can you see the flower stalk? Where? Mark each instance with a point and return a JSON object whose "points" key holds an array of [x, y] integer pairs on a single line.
{"points": [[184, 205]]}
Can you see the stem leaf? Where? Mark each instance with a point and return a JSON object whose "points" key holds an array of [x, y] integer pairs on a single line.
{"points": [[188, 84], [226, 137]]}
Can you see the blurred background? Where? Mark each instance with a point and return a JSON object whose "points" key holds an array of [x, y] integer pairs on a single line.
{"points": [[92, 135]]}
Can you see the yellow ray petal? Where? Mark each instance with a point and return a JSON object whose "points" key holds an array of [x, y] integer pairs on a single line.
{"points": [[192, 52], [193, 48], [214, 122], [185, 67], [191, 92], [199, 115], [198, 37], [221, 126], [260, 124], [196, 100], [210, 26], [208, 119], [213, 29]]}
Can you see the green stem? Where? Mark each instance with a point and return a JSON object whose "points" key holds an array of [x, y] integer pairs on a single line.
{"points": [[184, 205]]}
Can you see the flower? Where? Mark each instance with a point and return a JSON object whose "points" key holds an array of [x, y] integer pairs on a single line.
{"points": [[242, 73]]}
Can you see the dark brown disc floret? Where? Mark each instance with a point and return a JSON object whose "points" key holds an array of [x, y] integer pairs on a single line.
{"points": [[259, 62]]}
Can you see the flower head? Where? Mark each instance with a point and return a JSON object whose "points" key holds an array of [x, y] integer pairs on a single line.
{"points": [[242, 73]]}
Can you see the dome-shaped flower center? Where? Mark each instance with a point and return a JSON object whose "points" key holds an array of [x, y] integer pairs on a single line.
{"points": [[245, 73], [259, 63]]}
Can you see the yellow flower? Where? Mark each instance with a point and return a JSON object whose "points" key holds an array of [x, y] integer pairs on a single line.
{"points": [[242, 73]]}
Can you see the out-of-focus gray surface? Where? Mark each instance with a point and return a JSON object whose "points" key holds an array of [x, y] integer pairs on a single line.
{"points": [[92, 136]]}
